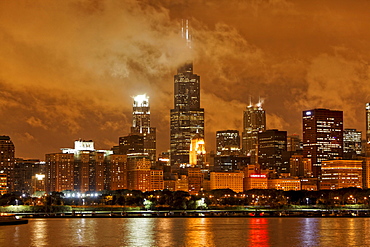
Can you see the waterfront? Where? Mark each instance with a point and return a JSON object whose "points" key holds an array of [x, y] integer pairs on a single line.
{"points": [[189, 232]]}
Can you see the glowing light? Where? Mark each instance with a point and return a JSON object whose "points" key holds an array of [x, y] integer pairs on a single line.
{"points": [[141, 100], [308, 113], [257, 176], [40, 176]]}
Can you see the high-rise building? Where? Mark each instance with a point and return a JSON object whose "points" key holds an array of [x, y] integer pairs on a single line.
{"points": [[368, 122], [131, 144], [352, 146], [271, 147], [24, 173], [7, 160], [228, 142], [322, 136], [254, 122], [79, 169], [187, 118], [141, 125]]}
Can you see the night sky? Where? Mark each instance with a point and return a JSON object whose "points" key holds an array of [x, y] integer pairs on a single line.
{"points": [[69, 69]]}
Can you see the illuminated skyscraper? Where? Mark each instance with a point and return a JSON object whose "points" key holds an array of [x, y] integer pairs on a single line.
{"points": [[7, 160], [254, 122], [322, 136], [368, 122], [141, 125], [187, 118], [352, 143]]}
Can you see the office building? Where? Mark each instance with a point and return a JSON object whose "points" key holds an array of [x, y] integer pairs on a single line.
{"points": [[197, 154], [322, 136], [228, 142], [338, 174], [254, 122], [7, 160], [271, 147], [368, 122], [24, 172], [227, 180], [138, 172], [352, 146], [141, 125]]}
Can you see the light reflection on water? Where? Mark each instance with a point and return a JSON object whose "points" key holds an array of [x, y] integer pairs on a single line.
{"points": [[189, 232]]}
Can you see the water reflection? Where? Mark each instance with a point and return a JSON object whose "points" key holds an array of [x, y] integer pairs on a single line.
{"points": [[39, 233], [308, 231], [198, 232], [258, 233], [139, 232]]}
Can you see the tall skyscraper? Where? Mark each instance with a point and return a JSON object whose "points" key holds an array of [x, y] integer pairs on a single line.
{"points": [[187, 118], [141, 125], [322, 136], [254, 122], [368, 122], [7, 160]]}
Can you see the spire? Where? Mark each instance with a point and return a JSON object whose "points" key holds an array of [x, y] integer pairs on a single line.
{"points": [[185, 34]]}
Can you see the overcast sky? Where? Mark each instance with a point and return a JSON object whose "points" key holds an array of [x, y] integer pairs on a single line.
{"points": [[69, 69]]}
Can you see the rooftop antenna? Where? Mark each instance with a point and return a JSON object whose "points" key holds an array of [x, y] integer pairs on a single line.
{"points": [[185, 32]]}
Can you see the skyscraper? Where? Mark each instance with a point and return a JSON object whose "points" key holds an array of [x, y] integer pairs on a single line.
{"points": [[141, 125], [7, 159], [228, 142], [322, 136], [187, 118], [352, 143], [254, 122], [368, 122], [271, 147]]}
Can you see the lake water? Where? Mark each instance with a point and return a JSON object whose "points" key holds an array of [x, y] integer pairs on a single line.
{"points": [[189, 232]]}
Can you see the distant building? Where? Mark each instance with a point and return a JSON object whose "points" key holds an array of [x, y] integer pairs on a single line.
{"points": [[299, 166], [227, 180], [254, 122], [293, 143], [322, 136], [285, 184], [3, 183], [141, 125], [7, 160], [271, 147], [352, 146], [228, 142], [24, 173], [156, 180], [230, 163], [338, 174], [195, 180], [138, 172], [79, 169], [187, 117], [368, 122], [117, 170], [256, 181], [131, 144]]}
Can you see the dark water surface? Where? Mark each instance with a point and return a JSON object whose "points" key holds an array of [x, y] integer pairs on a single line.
{"points": [[189, 232]]}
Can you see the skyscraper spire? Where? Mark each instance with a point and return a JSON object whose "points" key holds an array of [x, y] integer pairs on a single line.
{"points": [[185, 34]]}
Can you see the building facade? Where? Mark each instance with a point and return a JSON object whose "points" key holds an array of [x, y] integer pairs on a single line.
{"points": [[227, 180], [254, 122], [271, 147], [322, 136], [7, 160], [187, 117], [352, 146], [141, 125], [338, 174], [228, 142]]}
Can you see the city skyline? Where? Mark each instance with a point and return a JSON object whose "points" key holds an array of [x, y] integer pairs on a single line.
{"points": [[69, 70]]}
